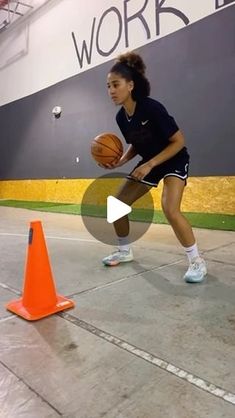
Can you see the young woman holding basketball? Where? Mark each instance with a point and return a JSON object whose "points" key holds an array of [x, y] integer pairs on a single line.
{"points": [[154, 135]]}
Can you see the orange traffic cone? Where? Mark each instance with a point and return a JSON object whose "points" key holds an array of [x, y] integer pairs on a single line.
{"points": [[39, 294]]}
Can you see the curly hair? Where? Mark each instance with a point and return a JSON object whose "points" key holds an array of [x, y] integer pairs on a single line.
{"points": [[132, 67]]}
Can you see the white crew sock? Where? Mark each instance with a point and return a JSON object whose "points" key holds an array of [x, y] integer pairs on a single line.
{"points": [[123, 243], [192, 252]]}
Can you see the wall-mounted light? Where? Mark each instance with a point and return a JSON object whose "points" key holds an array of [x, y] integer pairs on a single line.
{"points": [[56, 111]]}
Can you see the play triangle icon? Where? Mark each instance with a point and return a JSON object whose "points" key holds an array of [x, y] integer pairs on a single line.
{"points": [[116, 209]]}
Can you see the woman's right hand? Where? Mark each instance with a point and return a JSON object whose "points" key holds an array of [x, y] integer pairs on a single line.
{"points": [[116, 163], [127, 156]]}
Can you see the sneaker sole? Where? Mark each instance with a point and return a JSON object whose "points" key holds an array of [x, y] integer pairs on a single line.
{"points": [[189, 280], [115, 263]]}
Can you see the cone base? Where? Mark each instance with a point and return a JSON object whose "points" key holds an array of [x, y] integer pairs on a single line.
{"points": [[31, 314]]}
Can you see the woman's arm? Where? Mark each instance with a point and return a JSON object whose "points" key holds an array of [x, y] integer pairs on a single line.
{"points": [[176, 144], [127, 156]]}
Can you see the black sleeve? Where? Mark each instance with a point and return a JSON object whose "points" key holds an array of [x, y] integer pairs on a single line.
{"points": [[165, 122]]}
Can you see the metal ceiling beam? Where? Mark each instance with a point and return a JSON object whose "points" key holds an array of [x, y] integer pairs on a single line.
{"points": [[7, 25], [22, 4], [18, 11], [12, 11]]}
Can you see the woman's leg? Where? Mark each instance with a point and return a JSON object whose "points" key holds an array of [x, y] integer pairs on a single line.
{"points": [[171, 200], [129, 192]]}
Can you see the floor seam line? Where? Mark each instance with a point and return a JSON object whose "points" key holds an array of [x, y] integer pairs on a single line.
{"points": [[92, 289], [196, 381], [11, 289], [30, 388], [19, 293], [219, 247], [6, 318]]}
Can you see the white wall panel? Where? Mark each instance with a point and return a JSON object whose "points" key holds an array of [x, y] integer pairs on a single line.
{"points": [[40, 52]]}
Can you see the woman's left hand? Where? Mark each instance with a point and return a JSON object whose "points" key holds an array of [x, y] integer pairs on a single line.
{"points": [[140, 172]]}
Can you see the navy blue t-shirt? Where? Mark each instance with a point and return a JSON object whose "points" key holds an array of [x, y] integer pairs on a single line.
{"points": [[149, 129]]}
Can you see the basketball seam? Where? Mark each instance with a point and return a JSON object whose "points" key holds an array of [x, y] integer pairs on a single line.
{"points": [[104, 145], [111, 149], [117, 142], [103, 156]]}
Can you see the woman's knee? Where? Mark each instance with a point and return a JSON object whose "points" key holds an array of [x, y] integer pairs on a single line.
{"points": [[132, 191], [172, 213], [123, 197]]}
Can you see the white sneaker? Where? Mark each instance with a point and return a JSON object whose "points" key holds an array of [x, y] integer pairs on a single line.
{"points": [[118, 257], [196, 271]]}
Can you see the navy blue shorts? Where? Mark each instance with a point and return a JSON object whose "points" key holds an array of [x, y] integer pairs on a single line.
{"points": [[177, 166]]}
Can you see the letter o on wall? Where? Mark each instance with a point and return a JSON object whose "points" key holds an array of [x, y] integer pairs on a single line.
{"points": [[118, 14]]}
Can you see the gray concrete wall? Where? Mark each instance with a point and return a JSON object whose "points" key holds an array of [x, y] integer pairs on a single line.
{"points": [[191, 72]]}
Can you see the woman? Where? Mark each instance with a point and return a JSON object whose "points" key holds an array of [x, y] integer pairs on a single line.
{"points": [[154, 135]]}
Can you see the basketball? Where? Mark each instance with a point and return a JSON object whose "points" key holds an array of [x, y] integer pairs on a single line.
{"points": [[106, 148]]}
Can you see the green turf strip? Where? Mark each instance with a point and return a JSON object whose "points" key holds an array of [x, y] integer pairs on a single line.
{"points": [[199, 220]]}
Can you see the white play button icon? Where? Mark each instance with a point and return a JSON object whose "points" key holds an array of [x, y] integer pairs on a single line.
{"points": [[100, 210], [116, 209]]}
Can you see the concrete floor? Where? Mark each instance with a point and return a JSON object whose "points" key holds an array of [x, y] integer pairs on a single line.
{"points": [[140, 342]]}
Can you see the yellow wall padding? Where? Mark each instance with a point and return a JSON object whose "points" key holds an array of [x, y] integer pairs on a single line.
{"points": [[202, 194]]}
